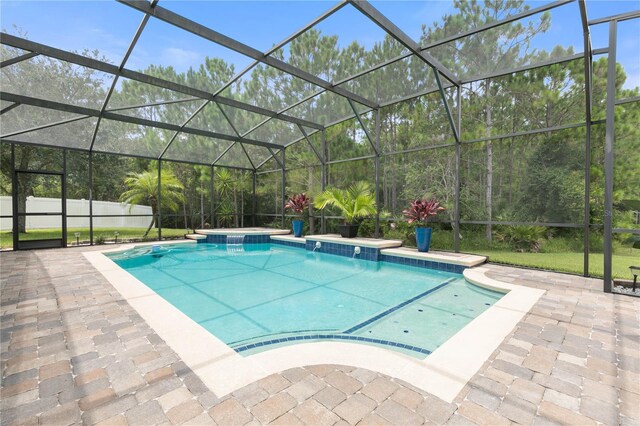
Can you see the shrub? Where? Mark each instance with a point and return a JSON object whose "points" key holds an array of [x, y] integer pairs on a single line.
{"points": [[522, 238], [421, 210], [297, 203]]}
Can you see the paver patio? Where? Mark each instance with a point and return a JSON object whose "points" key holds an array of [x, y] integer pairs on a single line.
{"points": [[73, 351]]}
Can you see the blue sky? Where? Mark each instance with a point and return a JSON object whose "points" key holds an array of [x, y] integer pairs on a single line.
{"points": [[109, 26]]}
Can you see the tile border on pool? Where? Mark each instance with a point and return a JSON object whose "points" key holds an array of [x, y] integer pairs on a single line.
{"points": [[398, 306], [443, 373], [288, 243], [422, 263], [331, 337]]}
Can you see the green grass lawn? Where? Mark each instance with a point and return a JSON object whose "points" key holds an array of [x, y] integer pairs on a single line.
{"points": [[567, 262], [106, 234]]}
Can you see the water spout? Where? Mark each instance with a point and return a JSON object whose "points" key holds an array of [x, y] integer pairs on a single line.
{"points": [[317, 246], [356, 252], [235, 243]]}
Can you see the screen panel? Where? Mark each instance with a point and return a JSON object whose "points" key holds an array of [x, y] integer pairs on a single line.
{"points": [[168, 52], [76, 134], [334, 49], [528, 41], [534, 178], [53, 80], [195, 148], [81, 27], [130, 139], [534, 99]]}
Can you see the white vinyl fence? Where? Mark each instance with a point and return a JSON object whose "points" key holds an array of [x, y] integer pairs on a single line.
{"points": [[77, 207]]}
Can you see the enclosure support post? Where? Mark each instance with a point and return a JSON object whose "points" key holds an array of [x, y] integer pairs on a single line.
{"points": [[90, 197], [377, 181], [325, 156], [14, 199], [64, 198], [608, 157], [283, 189], [159, 216], [254, 203], [213, 194], [456, 213], [588, 58]]}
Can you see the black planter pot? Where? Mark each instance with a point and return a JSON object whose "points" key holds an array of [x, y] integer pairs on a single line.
{"points": [[348, 231]]}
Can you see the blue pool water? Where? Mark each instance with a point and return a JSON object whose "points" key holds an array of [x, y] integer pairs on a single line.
{"points": [[259, 296]]}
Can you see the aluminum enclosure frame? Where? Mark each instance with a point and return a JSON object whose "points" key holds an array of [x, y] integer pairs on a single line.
{"points": [[151, 10]]}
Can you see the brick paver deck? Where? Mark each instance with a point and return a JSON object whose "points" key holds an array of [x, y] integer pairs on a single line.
{"points": [[74, 352]]}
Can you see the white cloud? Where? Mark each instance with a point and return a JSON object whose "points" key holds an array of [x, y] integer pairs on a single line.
{"points": [[181, 59]]}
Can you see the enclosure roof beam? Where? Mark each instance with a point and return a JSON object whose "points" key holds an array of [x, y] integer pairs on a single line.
{"points": [[274, 155], [222, 154], [9, 108], [383, 22], [248, 157], [152, 104], [95, 64], [17, 59], [454, 128], [370, 138], [230, 43], [620, 17], [628, 100], [42, 103], [313, 148]]}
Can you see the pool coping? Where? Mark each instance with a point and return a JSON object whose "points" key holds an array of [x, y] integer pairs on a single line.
{"points": [[363, 242], [443, 373], [461, 259], [243, 231]]}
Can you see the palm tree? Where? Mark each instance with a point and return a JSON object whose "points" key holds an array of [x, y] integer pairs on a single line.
{"points": [[225, 186], [356, 202], [143, 189]]}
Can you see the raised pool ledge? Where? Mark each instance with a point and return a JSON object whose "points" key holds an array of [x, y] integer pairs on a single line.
{"points": [[288, 240], [334, 244], [406, 255], [251, 235]]}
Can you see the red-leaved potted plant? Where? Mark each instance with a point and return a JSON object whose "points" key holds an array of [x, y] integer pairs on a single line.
{"points": [[420, 211], [297, 203]]}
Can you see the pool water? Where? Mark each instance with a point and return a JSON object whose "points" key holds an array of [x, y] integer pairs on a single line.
{"points": [[255, 297]]}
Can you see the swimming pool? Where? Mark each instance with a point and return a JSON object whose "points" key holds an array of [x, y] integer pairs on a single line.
{"points": [[256, 297]]}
